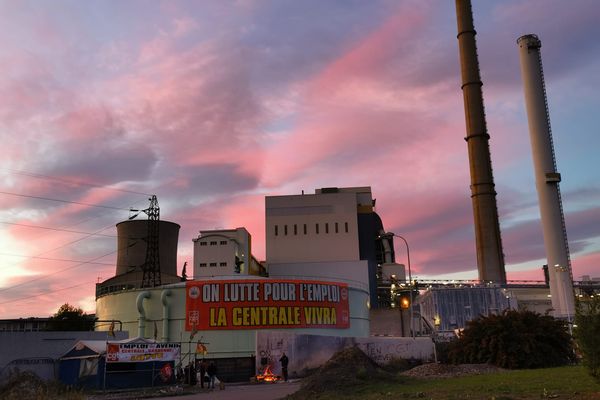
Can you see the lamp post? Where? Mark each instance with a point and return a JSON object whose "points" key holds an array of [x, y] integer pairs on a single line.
{"points": [[392, 234]]}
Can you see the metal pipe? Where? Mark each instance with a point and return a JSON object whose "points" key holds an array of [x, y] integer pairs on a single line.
{"points": [[165, 324], [140, 307], [488, 242], [412, 332]]}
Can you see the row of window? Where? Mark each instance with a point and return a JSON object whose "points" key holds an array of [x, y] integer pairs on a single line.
{"points": [[318, 228], [213, 264], [214, 243]]}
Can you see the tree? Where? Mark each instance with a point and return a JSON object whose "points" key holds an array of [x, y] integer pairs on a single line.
{"points": [[587, 332], [70, 318], [514, 339]]}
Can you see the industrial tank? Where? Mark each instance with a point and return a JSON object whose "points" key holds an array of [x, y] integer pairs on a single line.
{"points": [[132, 243]]}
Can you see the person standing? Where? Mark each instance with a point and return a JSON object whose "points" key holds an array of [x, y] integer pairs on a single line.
{"points": [[212, 373], [203, 372], [284, 366]]}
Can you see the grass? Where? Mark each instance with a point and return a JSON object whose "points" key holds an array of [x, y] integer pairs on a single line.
{"points": [[549, 383]]}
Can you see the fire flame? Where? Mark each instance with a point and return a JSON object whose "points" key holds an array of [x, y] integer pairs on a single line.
{"points": [[267, 376]]}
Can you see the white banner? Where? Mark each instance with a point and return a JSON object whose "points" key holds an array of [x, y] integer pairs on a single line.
{"points": [[142, 352]]}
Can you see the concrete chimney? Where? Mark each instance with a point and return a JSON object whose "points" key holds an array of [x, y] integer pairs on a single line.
{"points": [[547, 178], [490, 259]]}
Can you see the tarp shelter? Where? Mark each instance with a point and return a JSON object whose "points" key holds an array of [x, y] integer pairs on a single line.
{"points": [[84, 365]]}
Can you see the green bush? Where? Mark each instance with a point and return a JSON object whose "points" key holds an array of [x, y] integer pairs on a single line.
{"points": [[442, 351], [514, 340], [587, 332]]}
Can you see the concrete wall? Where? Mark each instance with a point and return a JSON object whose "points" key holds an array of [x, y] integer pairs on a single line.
{"points": [[286, 217], [306, 352], [388, 322], [38, 351]]}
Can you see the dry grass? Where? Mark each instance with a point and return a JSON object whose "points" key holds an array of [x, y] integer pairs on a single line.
{"points": [[27, 385]]}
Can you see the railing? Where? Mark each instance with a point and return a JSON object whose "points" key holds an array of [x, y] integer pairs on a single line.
{"points": [[562, 214]]}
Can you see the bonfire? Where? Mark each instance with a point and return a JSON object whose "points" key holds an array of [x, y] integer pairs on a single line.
{"points": [[267, 376]]}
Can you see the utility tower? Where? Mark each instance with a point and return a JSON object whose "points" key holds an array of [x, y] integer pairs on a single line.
{"points": [[151, 266]]}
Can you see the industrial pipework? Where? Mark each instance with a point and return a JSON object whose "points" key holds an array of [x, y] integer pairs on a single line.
{"points": [[142, 318], [547, 178], [490, 258], [166, 315]]}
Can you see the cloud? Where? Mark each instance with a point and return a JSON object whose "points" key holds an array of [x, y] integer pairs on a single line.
{"points": [[214, 105]]}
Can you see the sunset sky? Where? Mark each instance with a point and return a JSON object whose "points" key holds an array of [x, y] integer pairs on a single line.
{"points": [[213, 105]]}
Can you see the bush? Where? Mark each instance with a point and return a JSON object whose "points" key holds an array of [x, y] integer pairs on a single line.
{"points": [[587, 333], [514, 340], [442, 351]]}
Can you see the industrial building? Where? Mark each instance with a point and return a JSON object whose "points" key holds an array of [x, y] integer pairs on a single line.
{"points": [[320, 278], [225, 252]]}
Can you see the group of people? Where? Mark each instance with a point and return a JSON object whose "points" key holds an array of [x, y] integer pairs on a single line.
{"points": [[205, 373]]}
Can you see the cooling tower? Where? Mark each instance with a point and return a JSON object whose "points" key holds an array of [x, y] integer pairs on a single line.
{"points": [[490, 259], [132, 241], [547, 178]]}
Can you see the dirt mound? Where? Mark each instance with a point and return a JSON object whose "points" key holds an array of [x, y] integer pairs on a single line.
{"points": [[345, 369], [450, 371]]}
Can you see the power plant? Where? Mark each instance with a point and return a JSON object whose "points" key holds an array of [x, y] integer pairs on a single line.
{"points": [[490, 258], [330, 279], [547, 178]]}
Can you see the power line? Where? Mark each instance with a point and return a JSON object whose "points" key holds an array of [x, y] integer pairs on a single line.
{"points": [[56, 272], [60, 247], [43, 293], [69, 181], [55, 259], [64, 201], [56, 229]]}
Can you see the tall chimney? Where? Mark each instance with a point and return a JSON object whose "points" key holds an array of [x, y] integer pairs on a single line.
{"points": [[547, 178], [490, 259]]}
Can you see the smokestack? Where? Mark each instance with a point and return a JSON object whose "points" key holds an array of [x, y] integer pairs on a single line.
{"points": [[490, 259], [547, 178]]}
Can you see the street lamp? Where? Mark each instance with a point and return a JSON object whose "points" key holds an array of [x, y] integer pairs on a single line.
{"points": [[392, 234]]}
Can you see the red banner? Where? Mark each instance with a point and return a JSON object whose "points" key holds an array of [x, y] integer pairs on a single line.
{"points": [[142, 352], [266, 304]]}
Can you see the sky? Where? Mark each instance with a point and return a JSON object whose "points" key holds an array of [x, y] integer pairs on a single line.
{"points": [[213, 105]]}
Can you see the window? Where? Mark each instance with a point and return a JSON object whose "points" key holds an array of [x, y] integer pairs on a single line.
{"points": [[213, 243], [346, 226], [203, 243], [285, 230], [295, 229], [326, 227], [223, 264], [317, 228], [305, 229], [336, 228], [202, 265], [223, 242], [276, 230], [213, 264]]}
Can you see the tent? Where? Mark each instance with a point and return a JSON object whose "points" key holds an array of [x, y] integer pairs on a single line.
{"points": [[84, 365]]}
